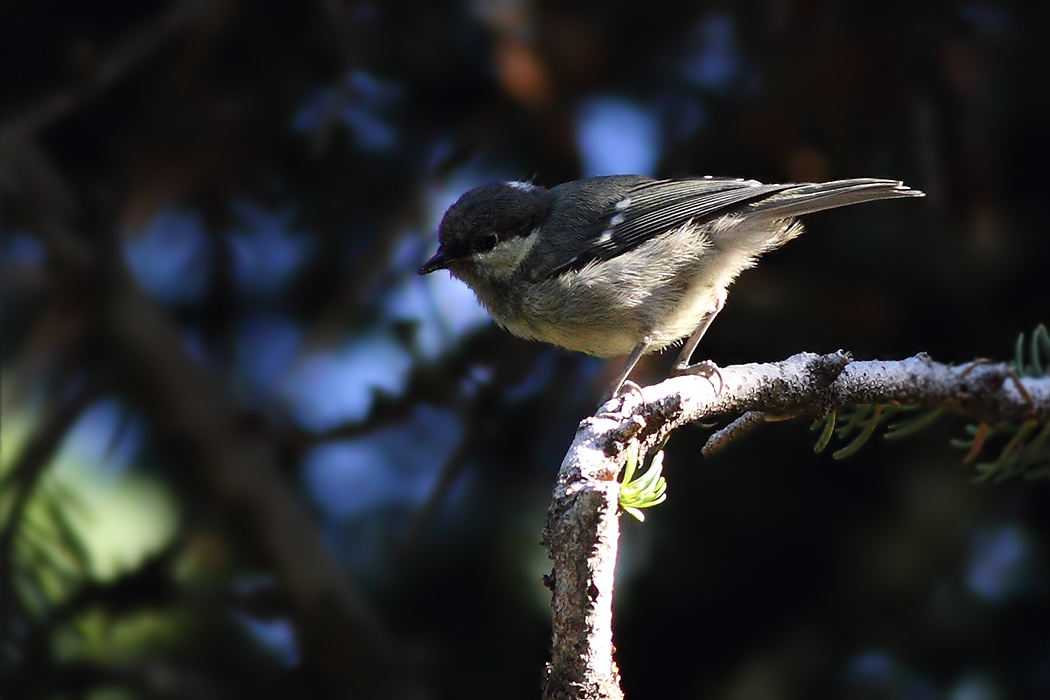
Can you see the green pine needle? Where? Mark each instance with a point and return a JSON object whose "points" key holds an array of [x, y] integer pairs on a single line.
{"points": [[825, 435], [648, 490]]}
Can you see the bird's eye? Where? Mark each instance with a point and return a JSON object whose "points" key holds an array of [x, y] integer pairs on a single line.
{"points": [[487, 243]]}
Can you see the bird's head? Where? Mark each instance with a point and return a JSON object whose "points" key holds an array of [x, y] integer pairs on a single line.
{"points": [[489, 230]]}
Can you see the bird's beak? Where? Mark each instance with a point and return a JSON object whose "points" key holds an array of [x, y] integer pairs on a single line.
{"points": [[438, 262]]}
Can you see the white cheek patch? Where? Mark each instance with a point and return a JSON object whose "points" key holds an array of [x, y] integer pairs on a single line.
{"points": [[521, 185], [501, 261]]}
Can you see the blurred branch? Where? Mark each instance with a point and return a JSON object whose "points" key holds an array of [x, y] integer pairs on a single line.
{"points": [[338, 632], [451, 470], [385, 411], [436, 383], [30, 179], [582, 527], [340, 636], [140, 45]]}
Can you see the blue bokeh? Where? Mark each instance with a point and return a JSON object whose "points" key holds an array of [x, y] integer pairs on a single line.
{"points": [[104, 440], [877, 674], [21, 250], [364, 104], [615, 136], [1000, 563], [264, 348], [712, 60], [265, 252], [169, 257], [336, 385], [392, 467]]}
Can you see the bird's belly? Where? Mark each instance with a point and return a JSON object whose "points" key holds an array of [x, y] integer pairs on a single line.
{"points": [[592, 322], [601, 319], [684, 316], [597, 340]]}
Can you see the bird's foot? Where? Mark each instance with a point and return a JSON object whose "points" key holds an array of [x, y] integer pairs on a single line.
{"points": [[620, 392], [706, 369]]}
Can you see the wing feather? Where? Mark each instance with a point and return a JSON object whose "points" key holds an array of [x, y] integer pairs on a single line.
{"points": [[654, 207], [650, 208]]}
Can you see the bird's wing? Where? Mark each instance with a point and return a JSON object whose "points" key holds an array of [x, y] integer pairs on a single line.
{"points": [[806, 198], [647, 209]]}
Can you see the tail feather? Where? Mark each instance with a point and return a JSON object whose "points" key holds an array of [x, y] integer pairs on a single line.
{"points": [[809, 198]]}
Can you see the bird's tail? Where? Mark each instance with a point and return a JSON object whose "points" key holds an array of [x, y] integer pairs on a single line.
{"points": [[808, 198]]}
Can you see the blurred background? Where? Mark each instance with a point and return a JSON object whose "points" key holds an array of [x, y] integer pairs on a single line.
{"points": [[248, 452]]}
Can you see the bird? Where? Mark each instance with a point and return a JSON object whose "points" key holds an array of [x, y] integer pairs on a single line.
{"points": [[625, 264]]}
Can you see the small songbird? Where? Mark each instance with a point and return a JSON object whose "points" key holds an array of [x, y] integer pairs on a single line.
{"points": [[625, 264]]}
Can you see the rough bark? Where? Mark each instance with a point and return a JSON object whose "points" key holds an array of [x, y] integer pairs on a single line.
{"points": [[581, 531]]}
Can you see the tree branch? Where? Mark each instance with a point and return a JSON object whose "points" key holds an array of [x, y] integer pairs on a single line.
{"points": [[582, 529]]}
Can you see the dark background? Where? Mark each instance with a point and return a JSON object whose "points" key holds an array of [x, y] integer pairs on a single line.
{"points": [[272, 174]]}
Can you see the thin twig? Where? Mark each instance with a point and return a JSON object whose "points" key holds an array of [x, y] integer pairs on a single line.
{"points": [[722, 437]]}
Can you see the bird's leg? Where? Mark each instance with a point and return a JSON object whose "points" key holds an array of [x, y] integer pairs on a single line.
{"points": [[621, 377], [706, 368]]}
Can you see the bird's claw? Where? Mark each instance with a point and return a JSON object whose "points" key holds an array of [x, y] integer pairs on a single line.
{"points": [[706, 369], [621, 392]]}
